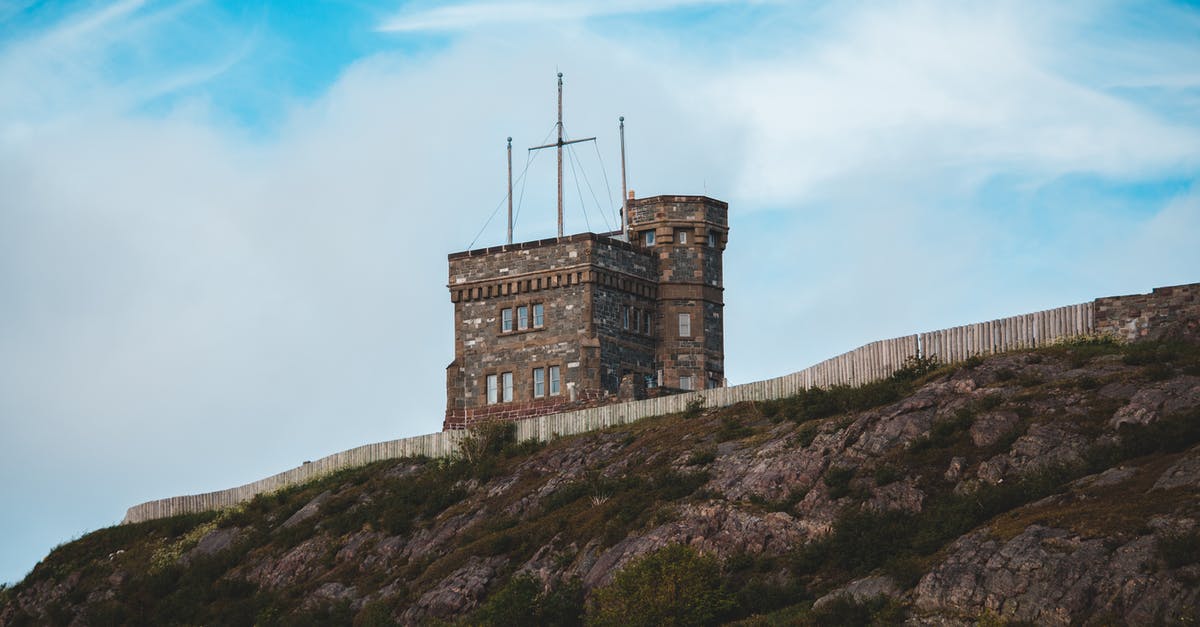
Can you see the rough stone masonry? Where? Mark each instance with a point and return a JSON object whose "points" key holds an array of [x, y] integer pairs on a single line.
{"points": [[564, 323]]}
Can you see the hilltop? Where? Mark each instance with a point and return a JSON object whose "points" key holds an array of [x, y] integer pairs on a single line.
{"points": [[1057, 485]]}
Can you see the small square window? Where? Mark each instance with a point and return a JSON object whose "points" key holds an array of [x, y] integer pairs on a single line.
{"points": [[648, 238], [555, 381], [507, 380], [539, 382], [538, 316], [685, 325], [685, 383], [505, 320], [522, 318], [491, 389]]}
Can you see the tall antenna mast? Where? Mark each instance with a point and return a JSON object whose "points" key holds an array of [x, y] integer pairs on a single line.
{"points": [[509, 190], [559, 144], [624, 193]]}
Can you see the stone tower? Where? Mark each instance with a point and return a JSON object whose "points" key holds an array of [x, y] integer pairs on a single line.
{"points": [[556, 324], [686, 235]]}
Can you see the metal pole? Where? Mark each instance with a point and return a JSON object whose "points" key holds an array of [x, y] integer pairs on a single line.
{"points": [[560, 171], [624, 193], [509, 190]]}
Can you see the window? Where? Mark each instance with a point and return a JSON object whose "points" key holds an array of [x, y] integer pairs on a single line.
{"points": [[491, 389], [507, 381], [637, 320], [538, 316], [555, 381], [539, 382], [625, 317], [648, 238], [712, 238], [685, 383], [646, 322], [522, 318], [681, 237], [505, 320], [685, 325]]}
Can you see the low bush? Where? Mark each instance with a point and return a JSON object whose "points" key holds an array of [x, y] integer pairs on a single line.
{"points": [[837, 479], [674, 585], [523, 601]]}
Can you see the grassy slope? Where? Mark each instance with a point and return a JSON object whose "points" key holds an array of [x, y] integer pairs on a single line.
{"points": [[643, 473]]}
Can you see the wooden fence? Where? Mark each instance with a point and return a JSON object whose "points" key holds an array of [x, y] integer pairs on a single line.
{"points": [[871, 362]]}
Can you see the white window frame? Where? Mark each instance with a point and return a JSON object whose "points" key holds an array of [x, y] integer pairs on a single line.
{"points": [[712, 238], [506, 320], [682, 237], [685, 325], [506, 379], [647, 325], [686, 383], [555, 381], [539, 382], [648, 237], [522, 317], [492, 397], [539, 315]]}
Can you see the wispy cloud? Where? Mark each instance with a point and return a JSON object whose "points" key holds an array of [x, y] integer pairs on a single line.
{"points": [[469, 15], [117, 56]]}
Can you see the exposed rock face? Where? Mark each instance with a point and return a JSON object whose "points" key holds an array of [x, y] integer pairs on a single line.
{"points": [[458, 592], [862, 590], [1053, 577], [711, 528]]}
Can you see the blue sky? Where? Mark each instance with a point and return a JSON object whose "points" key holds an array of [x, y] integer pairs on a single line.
{"points": [[223, 225]]}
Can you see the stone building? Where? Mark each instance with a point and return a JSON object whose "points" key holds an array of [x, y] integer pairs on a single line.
{"points": [[553, 324]]}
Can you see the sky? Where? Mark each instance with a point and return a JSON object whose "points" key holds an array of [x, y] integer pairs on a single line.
{"points": [[224, 225]]}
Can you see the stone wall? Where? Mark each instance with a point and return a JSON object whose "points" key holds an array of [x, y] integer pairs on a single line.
{"points": [[584, 283], [1133, 317], [1167, 310]]}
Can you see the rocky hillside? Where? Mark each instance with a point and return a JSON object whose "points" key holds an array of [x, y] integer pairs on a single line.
{"points": [[1053, 486]]}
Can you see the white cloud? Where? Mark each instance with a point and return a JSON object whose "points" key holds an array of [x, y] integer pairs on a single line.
{"points": [[918, 95]]}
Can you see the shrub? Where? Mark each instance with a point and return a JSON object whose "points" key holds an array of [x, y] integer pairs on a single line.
{"points": [[522, 601], [732, 429], [886, 474], [695, 407], [837, 479], [806, 434], [915, 367], [672, 586], [702, 457], [486, 439]]}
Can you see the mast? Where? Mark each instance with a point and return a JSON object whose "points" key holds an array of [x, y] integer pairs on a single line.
{"points": [[559, 145], [509, 190], [624, 193]]}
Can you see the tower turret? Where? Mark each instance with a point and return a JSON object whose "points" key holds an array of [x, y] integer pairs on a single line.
{"points": [[687, 236]]}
